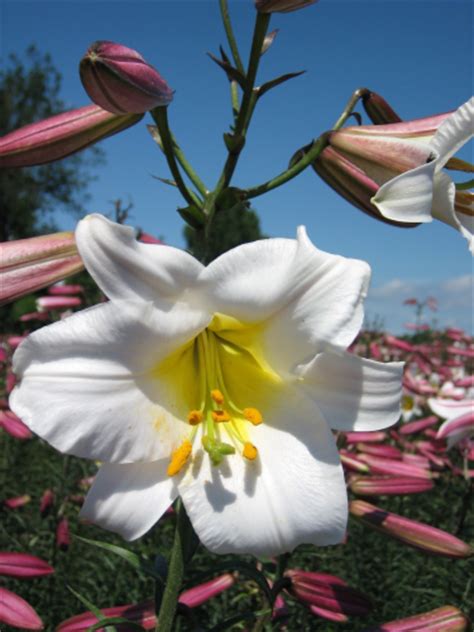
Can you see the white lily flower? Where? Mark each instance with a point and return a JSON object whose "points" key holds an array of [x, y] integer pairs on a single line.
{"points": [[218, 384]]}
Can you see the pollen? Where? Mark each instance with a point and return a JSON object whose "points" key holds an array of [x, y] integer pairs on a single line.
{"points": [[217, 396], [195, 417], [220, 415], [179, 458], [253, 415], [250, 452]]}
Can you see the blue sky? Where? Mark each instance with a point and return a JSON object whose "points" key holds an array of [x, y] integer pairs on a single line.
{"points": [[417, 54]]}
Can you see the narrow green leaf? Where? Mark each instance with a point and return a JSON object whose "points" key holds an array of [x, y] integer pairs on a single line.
{"points": [[463, 186], [88, 604], [111, 621], [279, 80]]}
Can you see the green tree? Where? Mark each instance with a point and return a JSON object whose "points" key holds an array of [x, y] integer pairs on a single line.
{"points": [[29, 92], [229, 228]]}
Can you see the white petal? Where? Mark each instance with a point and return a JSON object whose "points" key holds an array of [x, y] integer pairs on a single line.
{"points": [[129, 498], [354, 393], [409, 196], [450, 409], [293, 493], [123, 268], [443, 200], [454, 132], [88, 387]]}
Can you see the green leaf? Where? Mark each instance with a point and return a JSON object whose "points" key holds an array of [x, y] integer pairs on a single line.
{"points": [[232, 73], [138, 563], [276, 82], [463, 186], [110, 621], [88, 604]]}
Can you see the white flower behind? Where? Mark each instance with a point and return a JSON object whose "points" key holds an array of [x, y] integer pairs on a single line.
{"points": [[217, 384]]}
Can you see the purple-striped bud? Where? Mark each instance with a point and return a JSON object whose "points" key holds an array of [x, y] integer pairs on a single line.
{"points": [[327, 595], [198, 595], [23, 565], [281, 6], [416, 534], [379, 111], [17, 612], [118, 79], [444, 619], [27, 265], [388, 485], [60, 136]]}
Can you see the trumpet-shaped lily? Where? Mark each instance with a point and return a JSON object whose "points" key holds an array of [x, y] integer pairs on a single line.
{"points": [[393, 172], [219, 384]]}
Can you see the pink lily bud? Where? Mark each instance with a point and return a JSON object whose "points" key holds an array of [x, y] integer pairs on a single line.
{"points": [[34, 316], [60, 136], [386, 451], [17, 501], [118, 79], [281, 6], [146, 238], [380, 113], [418, 425], [467, 353], [457, 429], [77, 499], [203, 592], [388, 485], [403, 345], [65, 289], [23, 565], [350, 462], [327, 595], [13, 425], [366, 437], [465, 382], [27, 265], [46, 502], [416, 459], [142, 613], [416, 534], [58, 302], [63, 538], [10, 381], [14, 341], [444, 619], [397, 468], [17, 612], [454, 333]]}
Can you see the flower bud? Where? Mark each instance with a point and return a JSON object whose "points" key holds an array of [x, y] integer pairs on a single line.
{"points": [[198, 595], [27, 265], [56, 290], [379, 112], [379, 465], [60, 136], [418, 425], [47, 500], [13, 425], [388, 485], [17, 612], [445, 619], [23, 565], [17, 501], [63, 538], [57, 302], [416, 534], [386, 451], [367, 436], [118, 79], [281, 6]]}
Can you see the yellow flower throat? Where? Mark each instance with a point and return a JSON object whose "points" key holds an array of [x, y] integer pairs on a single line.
{"points": [[224, 380]]}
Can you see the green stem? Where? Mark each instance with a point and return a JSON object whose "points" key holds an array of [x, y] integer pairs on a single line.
{"points": [[175, 573], [358, 94], [192, 175], [160, 116], [230, 35]]}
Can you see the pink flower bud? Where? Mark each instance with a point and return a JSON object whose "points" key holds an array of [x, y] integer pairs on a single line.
{"points": [[460, 351], [118, 79], [46, 502], [203, 592], [418, 425], [327, 594], [465, 382], [17, 501], [380, 113], [415, 534], [17, 612], [65, 289], [397, 468], [34, 316], [63, 538], [57, 302], [385, 451], [281, 6], [375, 351], [23, 565], [142, 613], [403, 345], [352, 463], [367, 437], [444, 619], [27, 265], [388, 485], [146, 238], [60, 136], [13, 425], [14, 341]]}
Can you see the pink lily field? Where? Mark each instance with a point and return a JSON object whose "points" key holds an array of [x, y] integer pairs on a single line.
{"points": [[210, 438]]}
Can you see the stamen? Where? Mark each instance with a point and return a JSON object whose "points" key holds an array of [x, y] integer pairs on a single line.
{"points": [[195, 417], [217, 396], [253, 415], [179, 458], [220, 415], [250, 452]]}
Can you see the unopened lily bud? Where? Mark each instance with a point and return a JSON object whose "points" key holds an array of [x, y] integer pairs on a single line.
{"points": [[385, 451], [418, 425], [118, 79], [444, 619], [367, 436], [141, 613], [17, 501], [203, 592], [17, 612], [56, 290], [281, 6], [60, 136], [397, 468], [416, 534], [46, 502], [63, 538], [57, 302], [388, 485], [27, 265], [13, 425], [23, 565], [378, 110], [350, 462]]}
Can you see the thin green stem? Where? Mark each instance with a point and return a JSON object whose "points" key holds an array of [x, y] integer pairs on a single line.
{"points": [[234, 96], [358, 94], [230, 35], [192, 175], [160, 116], [175, 573]]}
